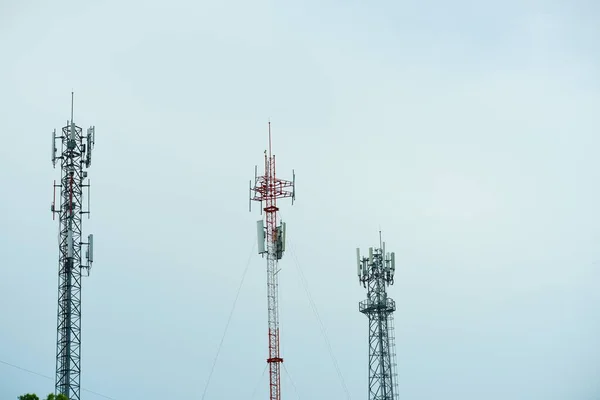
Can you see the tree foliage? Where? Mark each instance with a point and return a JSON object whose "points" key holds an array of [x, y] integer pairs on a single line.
{"points": [[59, 397], [51, 396]]}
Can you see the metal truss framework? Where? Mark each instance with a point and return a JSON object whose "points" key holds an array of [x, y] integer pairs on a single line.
{"points": [[268, 188], [74, 157], [375, 273]]}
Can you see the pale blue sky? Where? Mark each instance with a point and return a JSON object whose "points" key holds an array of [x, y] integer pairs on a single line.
{"points": [[467, 131]]}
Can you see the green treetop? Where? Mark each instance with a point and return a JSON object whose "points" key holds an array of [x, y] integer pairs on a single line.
{"points": [[51, 396]]}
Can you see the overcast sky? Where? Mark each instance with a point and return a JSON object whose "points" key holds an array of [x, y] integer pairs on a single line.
{"points": [[466, 130]]}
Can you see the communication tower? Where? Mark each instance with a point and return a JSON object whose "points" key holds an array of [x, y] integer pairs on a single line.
{"points": [[375, 273], [271, 241], [74, 158]]}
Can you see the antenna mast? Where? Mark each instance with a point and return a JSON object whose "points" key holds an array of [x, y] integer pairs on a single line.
{"points": [[268, 188], [75, 157], [375, 273]]}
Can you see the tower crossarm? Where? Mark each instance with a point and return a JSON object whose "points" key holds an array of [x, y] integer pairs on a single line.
{"points": [[275, 188]]}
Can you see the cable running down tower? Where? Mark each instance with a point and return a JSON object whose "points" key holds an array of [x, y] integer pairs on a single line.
{"points": [[268, 188], [75, 157], [375, 273]]}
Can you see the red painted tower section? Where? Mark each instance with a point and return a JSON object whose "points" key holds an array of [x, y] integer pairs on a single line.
{"points": [[267, 189]]}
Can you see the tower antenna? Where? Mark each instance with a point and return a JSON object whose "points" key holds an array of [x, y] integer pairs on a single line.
{"points": [[376, 273], [269, 188], [270, 153], [75, 158]]}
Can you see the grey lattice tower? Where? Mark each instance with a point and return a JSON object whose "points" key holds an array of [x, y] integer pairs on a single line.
{"points": [[75, 157], [375, 273]]}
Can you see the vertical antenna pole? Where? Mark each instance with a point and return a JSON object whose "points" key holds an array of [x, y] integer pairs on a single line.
{"points": [[270, 153], [54, 200], [88, 197]]}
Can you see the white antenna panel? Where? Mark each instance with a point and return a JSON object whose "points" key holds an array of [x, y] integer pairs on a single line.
{"points": [[90, 248], [283, 237], [53, 146], [370, 255], [90, 136], [393, 258], [293, 186], [383, 253], [358, 263], [90, 145], [73, 137], [260, 236], [69, 243]]}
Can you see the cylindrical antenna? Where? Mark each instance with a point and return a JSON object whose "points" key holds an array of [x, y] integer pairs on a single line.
{"points": [[270, 154], [250, 196], [54, 200], [358, 263], [88, 199]]}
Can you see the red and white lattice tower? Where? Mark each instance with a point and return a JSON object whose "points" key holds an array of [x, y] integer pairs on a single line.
{"points": [[271, 240]]}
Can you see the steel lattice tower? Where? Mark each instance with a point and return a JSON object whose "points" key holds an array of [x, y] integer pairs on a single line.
{"points": [[268, 188], [375, 273], [75, 156]]}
